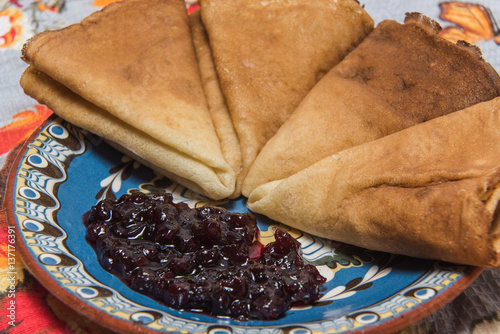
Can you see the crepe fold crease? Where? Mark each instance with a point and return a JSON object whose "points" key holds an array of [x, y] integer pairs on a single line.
{"points": [[138, 85], [429, 191], [217, 105]]}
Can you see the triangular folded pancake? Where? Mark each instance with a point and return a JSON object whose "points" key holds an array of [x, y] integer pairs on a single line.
{"points": [[122, 136], [269, 54], [429, 191], [215, 99], [399, 76], [135, 61]]}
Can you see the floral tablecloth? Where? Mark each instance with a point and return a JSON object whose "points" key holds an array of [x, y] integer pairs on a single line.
{"points": [[26, 307]]}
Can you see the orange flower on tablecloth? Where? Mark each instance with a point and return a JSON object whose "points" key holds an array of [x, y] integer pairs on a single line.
{"points": [[102, 3], [10, 26], [54, 7], [474, 22], [24, 123]]}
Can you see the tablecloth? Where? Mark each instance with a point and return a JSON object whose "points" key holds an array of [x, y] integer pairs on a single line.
{"points": [[26, 307]]}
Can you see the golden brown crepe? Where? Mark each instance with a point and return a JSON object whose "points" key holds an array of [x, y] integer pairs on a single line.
{"points": [[269, 54], [137, 144], [399, 76], [133, 63], [429, 191], [215, 99]]}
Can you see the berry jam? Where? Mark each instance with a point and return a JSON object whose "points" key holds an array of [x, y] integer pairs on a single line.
{"points": [[203, 259]]}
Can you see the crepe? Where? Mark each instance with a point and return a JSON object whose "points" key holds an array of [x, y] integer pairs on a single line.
{"points": [[399, 76], [217, 105], [122, 136], [269, 54], [429, 191], [139, 71]]}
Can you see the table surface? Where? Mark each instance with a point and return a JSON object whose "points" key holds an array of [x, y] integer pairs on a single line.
{"points": [[476, 310]]}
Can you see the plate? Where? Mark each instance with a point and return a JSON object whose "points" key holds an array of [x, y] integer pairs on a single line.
{"points": [[63, 170]]}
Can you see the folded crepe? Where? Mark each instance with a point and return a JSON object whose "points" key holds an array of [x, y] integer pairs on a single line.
{"points": [[217, 105], [399, 76], [129, 73], [429, 191], [269, 54]]}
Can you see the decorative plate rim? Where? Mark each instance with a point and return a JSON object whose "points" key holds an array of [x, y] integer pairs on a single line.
{"points": [[111, 322]]}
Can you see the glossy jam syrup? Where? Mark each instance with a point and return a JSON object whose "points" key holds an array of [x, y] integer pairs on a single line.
{"points": [[204, 258]]}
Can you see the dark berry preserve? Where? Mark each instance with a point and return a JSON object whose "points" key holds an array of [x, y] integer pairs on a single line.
{"points": [[204, 259]]}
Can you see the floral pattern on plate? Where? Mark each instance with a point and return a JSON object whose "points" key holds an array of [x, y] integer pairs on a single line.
{"points": [[65, 170]]}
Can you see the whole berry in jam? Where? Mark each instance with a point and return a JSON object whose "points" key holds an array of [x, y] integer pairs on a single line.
{"points": [[202, 258]]}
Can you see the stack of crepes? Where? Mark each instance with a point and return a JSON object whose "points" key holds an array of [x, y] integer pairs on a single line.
{"points": [[141, 74], [384, 137]]}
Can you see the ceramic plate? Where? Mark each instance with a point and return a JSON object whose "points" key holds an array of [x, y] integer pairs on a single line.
{"points": [[62, 171]]}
